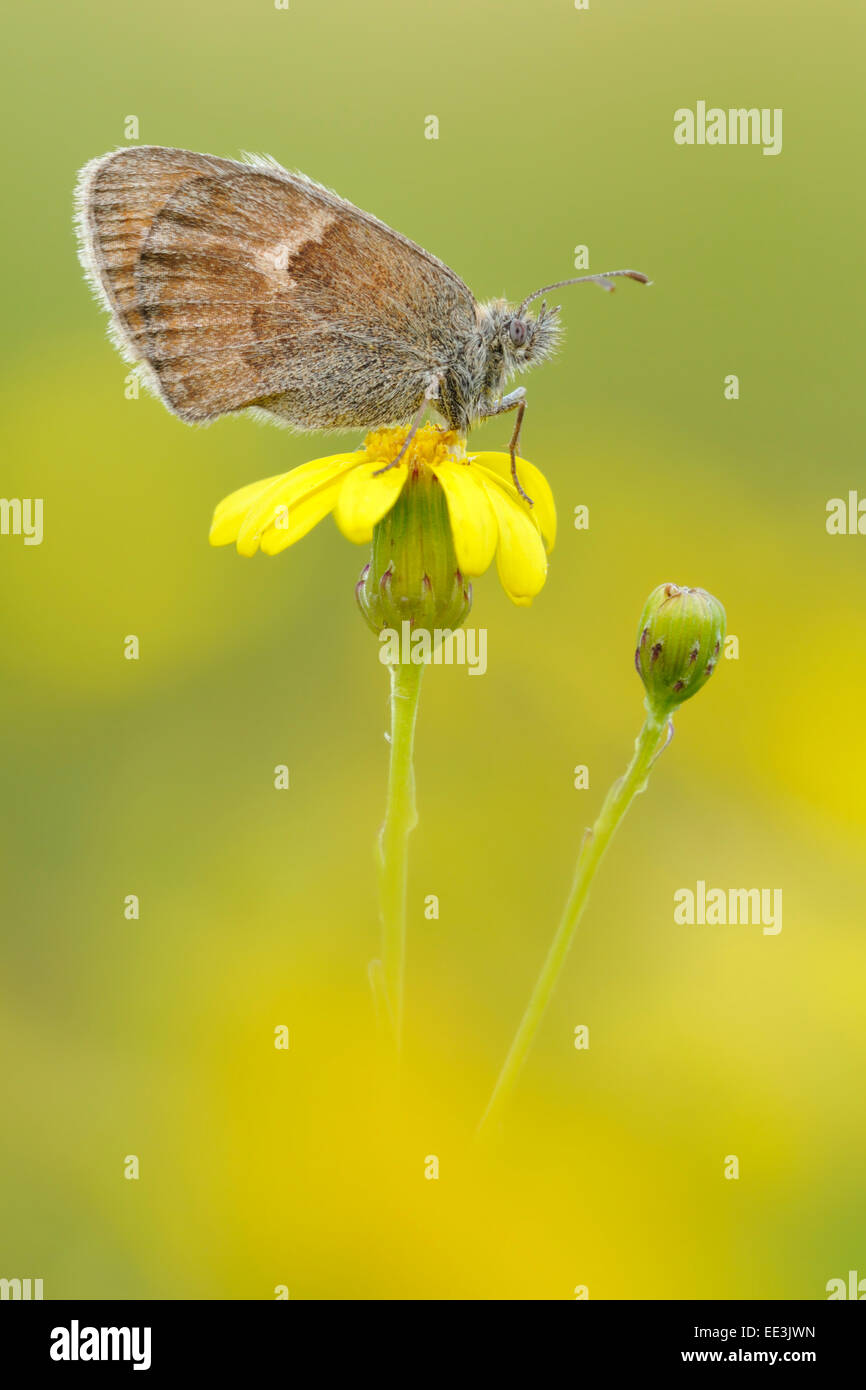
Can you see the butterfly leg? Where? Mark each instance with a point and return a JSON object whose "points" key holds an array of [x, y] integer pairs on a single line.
{"points": [[515, 400], [430, 394]]}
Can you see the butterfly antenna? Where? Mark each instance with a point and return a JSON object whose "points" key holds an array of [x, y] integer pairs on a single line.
{"points": [[603, 280]]}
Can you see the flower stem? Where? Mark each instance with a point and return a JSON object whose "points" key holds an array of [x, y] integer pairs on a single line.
{"points": [[652, 739], [400, 819]]}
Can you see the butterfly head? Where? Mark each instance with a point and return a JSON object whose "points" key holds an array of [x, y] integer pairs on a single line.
{"points": [[526, 338]]}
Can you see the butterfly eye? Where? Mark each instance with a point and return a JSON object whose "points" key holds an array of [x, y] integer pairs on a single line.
{"points": [[517, 332]]}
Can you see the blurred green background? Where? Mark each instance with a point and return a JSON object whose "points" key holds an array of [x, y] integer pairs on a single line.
{"points": [[155, 1037]]}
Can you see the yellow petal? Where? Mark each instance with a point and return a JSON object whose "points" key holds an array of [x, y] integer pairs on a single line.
{"points": [[287, 492], [364, 499], [473, 520], [230, 512], [294, 523], [533, 482], [520, 557]]}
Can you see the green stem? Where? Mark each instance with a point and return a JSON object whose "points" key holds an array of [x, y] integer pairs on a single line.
{"points": [[652, 738], [400, 819]]}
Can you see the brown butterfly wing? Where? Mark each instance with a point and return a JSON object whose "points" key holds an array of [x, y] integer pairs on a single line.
{"points": [[243, 285]]}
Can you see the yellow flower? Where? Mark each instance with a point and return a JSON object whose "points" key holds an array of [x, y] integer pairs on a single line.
{"points": [[487, 514]]}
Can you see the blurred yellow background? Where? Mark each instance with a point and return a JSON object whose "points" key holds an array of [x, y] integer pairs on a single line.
{"points": [[155, 1037]]}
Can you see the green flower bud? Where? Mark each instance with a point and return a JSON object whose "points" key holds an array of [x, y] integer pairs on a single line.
{"points": [[413, 574], [678, 644]]}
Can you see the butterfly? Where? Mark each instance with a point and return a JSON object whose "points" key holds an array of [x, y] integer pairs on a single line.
{"points": [[240, 286]]}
